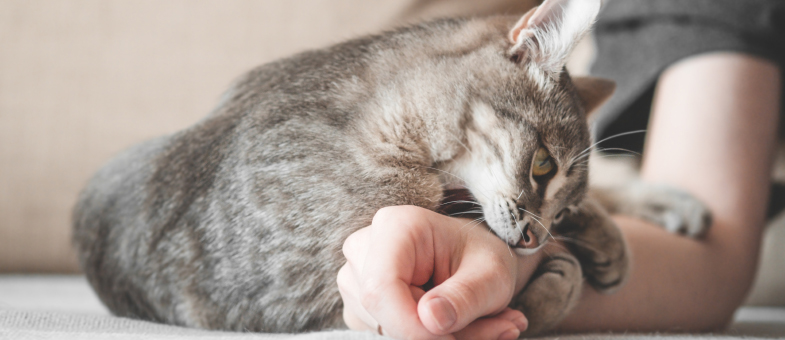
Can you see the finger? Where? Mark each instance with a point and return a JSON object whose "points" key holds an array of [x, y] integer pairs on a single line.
{"points": [[400, 236], [354, 315], [516, 317], [506, 325], [482, 285], [489, 328]]}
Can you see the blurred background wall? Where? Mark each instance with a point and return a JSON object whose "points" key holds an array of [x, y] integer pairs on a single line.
{"points": [[81, 80]]}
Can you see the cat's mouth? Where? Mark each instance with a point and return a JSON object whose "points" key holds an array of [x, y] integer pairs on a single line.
{"points": [[459, 202]]}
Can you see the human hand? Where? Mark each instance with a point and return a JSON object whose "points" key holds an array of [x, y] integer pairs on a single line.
{"points": [[473, 272]]}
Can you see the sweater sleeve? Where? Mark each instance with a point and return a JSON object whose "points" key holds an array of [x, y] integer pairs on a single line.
{"points": [[637, 40]]}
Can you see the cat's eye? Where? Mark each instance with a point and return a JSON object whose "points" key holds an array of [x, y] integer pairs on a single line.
{"points": [[543, 164]]}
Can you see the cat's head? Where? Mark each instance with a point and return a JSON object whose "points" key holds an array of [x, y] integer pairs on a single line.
{"points": [[527, 130]]}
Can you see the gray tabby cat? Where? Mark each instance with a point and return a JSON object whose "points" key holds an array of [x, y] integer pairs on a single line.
{"points": [[237, 222]]}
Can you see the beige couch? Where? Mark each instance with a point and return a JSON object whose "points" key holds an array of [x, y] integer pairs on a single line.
{"points": [[81, 80]]}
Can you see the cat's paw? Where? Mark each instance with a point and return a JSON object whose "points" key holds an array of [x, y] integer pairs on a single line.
{"points": [[595, 240], [675, 210], [552, 293], [606, 271]]}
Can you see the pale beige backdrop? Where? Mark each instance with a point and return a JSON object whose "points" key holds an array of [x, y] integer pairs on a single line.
{"points": [[82, 79]]}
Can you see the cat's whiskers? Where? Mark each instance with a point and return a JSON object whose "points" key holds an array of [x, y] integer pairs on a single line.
{"points": [[537, 218], [520, 230], [604, 156], [519, 195], [585, 156], [493, 176], [542, 225], [530, 213], [620, 149], [467, 212], [476, 220], [584, 161], [605, 139], [611, 137], [460, 201], [617, 156]]}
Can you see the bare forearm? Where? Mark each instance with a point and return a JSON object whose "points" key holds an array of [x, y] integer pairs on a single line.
{"points": [[712, 134], [676, 283]]}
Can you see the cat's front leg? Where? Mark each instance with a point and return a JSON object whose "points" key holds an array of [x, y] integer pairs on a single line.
{"points": [[553, 291], [597, 243]]}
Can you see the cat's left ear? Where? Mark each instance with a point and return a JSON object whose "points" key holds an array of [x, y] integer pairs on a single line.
{"points": [[593, 92], [547, 34]]}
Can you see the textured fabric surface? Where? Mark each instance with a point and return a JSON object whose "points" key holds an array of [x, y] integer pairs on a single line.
{"points": [[52, 325], [64, 307], [57, 325]]}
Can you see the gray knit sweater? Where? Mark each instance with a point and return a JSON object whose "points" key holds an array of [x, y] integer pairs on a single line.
{"points": [[638, 39]]}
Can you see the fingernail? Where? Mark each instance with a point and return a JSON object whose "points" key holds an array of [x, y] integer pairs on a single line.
{"points": [[522, 323], [442, 312], [510, 334]]}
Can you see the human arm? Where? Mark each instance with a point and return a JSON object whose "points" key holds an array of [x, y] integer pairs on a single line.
{"points": [[712, 133]]}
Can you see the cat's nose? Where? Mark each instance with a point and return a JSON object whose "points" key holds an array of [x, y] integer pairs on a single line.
{"points": [[528, 241]]}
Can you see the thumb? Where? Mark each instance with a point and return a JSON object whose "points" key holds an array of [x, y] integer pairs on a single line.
{"points": [[480, 287]]}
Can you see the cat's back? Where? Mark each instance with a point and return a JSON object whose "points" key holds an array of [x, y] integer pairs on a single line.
{"points": [[223, 218]]}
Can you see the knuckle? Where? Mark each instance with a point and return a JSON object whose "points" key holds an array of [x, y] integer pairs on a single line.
{"points": [[401, 216], [349, 248]]}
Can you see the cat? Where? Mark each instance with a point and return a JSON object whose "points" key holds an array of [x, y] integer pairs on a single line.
{"points": [[237, 222]]}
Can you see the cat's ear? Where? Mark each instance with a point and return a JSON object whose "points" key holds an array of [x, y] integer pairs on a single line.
{"points": [[547, 34], [593, 91]]}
